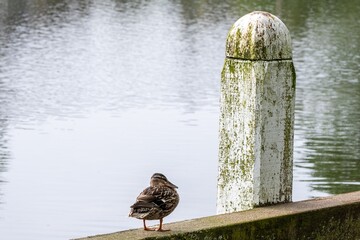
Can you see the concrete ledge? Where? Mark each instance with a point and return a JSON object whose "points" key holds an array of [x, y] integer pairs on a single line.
{"points": [[336, 217]]}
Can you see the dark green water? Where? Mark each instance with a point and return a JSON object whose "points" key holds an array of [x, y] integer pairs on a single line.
{"points": [[95, 96]]}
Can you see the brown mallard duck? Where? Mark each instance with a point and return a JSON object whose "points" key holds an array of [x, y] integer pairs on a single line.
{"points": [[156, 201]]}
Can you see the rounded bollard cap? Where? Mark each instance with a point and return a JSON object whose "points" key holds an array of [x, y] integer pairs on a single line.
{"points": [[259, 36]]}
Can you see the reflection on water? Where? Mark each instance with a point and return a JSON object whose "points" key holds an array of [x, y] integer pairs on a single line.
{"points": [[97, 95], [328, 96], [4, 156]]}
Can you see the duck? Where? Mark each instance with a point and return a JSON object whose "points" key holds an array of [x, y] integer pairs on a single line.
{"points": [[156, 201]]}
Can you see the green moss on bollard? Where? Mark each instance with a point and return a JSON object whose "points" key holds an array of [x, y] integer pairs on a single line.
{"points": [[257, 115], [259, 36]]}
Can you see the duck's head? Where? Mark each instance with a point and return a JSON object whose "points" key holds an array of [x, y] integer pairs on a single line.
{"points": [[158, 179]]}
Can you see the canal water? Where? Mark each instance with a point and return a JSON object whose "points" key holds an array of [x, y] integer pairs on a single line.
{"points": [[95, 96]]}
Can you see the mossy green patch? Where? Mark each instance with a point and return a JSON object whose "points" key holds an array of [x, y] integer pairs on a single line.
{"points": [[331, 224]]}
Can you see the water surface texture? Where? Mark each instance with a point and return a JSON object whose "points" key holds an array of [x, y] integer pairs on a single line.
{"points": [[96, 96]]}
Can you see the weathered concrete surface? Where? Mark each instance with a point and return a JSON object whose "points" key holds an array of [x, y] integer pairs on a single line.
{"points": [[257, 105], [259, 36], [331, 218]]}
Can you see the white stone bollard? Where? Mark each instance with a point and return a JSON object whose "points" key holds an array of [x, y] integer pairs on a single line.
{"points": [[257, 115]]}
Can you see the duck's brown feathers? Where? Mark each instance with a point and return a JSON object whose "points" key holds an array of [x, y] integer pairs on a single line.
{"points": [[155, 202]]}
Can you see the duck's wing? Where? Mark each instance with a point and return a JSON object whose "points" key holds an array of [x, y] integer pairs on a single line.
{"points": [[154, 203], [148, 195], [140, 204], [149, 198], [145, 207], [158, 196]]}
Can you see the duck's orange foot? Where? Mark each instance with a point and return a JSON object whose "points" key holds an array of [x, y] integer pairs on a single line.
{"points": [[146, 228], [149, 229], [162, 230]]}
